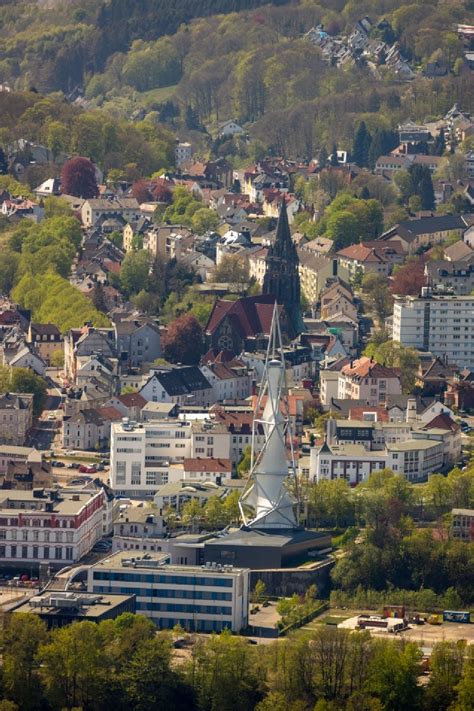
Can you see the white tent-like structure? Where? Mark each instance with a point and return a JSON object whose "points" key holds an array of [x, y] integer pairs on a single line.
{"points": [[266, 503]]}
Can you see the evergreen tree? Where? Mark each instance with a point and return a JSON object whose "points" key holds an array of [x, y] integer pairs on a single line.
{"points": [[361, 145], [98, 297], [426, 191], [382, 143], [439, 145], [334, 158], [322, 157], [191, 119], [364, 193], [3, 163]]}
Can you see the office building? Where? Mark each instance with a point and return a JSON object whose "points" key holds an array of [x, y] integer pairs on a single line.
{"points": [[199, 598], [140, 453]]}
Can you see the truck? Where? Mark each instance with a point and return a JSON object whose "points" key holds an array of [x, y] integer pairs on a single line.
{"points": [[456, 616]]}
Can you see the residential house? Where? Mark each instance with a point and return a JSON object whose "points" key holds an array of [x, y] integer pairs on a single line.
{"points": [[26, 357], [434, 376], [169, 241], [462, 524], [425, 231], [12, 453], [126, 208], [16, 417], [26, 476], [201, 469], [133, 231], [87, 430], [47, 339], [81, 343], [129, 405], [365, 379], [371, 258], [229, 129], [415, 459], [229, 380], [179, 385], [137, 340]]}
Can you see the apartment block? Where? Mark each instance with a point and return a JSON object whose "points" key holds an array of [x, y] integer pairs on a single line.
{"points": [[439, 323]]}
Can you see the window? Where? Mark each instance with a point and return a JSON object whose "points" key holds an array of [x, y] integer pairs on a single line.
{"points": [[151, 478], [24, 535], [120, 471], [136, 473], [3, 534]]}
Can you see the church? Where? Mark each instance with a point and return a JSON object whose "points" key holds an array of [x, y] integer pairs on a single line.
{"points": [[282, 279], [245, 324]]}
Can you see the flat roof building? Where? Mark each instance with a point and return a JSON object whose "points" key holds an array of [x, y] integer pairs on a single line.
{"points": [[207, 598], [62, 608]]}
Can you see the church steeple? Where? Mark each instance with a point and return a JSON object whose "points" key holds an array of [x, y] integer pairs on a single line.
{"points": [[282, 277]]}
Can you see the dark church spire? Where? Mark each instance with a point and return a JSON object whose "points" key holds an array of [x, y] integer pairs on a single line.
{"points": [[282, 277]]}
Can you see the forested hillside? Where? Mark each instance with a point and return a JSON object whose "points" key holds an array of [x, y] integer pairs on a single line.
{"points": [[252, 62]]}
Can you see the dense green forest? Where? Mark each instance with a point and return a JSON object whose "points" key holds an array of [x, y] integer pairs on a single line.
{"points": [[125, 664], [138, 60]]}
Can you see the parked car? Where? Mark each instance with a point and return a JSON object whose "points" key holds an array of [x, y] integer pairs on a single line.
{"points": [[58, 464], [87, 468]]}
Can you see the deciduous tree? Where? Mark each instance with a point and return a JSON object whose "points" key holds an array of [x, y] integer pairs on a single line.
{"points": [[78, 178], [183, 341]]}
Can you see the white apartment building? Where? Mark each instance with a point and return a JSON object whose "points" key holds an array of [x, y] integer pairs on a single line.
{"points": [[441, 324], [211, 440], [56, 527], [367, 380], [140, 452], [207, 598], [328, 386], [228, 382], [415, 459]]}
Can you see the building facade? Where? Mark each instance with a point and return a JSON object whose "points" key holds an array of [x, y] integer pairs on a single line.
{"points": [[48, 526], [16, 417], [441, 324], [199, 598]]}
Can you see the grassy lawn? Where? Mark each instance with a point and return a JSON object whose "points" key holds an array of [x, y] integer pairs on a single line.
{"points": [[157, 95]]}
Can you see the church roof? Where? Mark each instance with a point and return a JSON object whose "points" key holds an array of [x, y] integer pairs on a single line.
{"points": [[251, 315]]}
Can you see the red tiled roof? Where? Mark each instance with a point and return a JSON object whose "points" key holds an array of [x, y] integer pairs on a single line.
{"points": [[442, 422], [251, 315], [366, 367], [109, 413], [132, 400], [204, 464], [357, 413]]}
